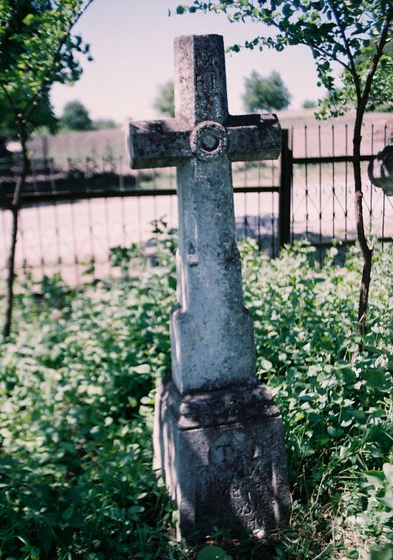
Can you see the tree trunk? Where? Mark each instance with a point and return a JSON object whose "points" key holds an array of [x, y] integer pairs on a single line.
{"points": [[9, 298], [14, 208], [367, 253], [362, 100]]}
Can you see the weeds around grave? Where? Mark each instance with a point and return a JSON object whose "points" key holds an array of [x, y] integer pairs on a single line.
{"points": [[76, 399]]}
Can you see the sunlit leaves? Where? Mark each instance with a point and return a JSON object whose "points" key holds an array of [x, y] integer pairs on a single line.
{"points": [[338, 33], [328, 393], [75, 449], [37, 49], [75, 399]]}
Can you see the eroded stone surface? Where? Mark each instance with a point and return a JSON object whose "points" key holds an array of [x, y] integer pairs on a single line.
{"points": [[225, 466], [211, 331], [380, 170], [220, 450]]}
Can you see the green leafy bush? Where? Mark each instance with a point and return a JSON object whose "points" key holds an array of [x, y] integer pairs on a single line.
{"points": [[75, 415], [76, 398], [336, 402]]}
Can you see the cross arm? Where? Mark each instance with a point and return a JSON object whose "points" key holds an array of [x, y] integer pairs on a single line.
{"points": [[165, 143], [253, 137], [157, 144]]}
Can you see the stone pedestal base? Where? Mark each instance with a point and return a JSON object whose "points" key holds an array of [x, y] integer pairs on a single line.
{"points": [[222, 456]]}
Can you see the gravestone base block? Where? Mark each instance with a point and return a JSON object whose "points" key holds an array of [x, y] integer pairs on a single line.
{"points": [[222, 456]]}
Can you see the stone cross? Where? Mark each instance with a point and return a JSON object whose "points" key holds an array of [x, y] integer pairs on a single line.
{"points": [[380, 170], [212, 415]]}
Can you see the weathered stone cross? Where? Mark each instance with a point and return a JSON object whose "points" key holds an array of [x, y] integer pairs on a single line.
{"points": [[213, 415]]}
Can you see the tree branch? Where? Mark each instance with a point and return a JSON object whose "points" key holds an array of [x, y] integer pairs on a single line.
{"points": [[383, 40], [352, 66], [325, 53], [55, 59]]}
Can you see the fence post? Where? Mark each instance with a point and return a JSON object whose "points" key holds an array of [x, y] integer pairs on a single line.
{"points": [[284, 204]]}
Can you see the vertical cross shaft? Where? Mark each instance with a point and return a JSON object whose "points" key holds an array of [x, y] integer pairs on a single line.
{"points": [[200, 80], [211, 331], [218, 438]]}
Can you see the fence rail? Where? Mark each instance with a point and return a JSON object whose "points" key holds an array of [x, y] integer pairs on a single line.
{"points": [[322, 199], [71, 217]]}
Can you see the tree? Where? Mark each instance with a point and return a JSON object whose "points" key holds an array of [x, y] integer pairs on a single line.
{"points": [[267, 94], [165, 100], [104, 124], [37, 49], [309, 104], [43, 117], [382, 97], [76, 117], [351, 35]]}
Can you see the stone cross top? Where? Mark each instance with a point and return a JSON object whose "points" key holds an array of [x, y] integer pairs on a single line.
{"points": [[218, 437], [212, 338]]}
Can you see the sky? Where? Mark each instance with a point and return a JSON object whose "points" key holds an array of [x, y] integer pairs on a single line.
{"points": [[131, 42]]}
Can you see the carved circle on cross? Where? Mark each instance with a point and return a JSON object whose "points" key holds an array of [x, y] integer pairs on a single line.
{"points": [[208, 140]]}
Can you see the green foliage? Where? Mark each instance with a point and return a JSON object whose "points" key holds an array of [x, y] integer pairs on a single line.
{"points": [[37, 49], [382, 96], [309, 104], [75, 420], [213, 553], [266, 94], [335, 401], [165, 101], [43, 117], [344, 38], [76, 400], [378, 514], [75, 116]]}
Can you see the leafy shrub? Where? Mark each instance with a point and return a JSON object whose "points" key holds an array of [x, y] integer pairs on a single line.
{"points": [[336, 402], [75, 415], [76, 397]]}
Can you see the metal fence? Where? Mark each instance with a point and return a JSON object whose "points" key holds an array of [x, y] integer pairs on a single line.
{"points": [[322, 199], [72, 231], [81, 207]]}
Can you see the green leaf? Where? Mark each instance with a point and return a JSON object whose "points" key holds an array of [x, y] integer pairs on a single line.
{"points": [[29, 19], [266, 365], [378, 379], [45, 538], [135, 510], [388, 472], [375, 478], [388, 501], [172, 282], [213, 553], [381, 553], [334, 432], [68, 513]]}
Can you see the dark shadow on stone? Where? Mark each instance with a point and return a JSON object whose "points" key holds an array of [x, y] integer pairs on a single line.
{"points": [[223, 459]]}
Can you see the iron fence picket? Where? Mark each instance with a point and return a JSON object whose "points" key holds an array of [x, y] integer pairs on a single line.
{"points": [[289, 214]]}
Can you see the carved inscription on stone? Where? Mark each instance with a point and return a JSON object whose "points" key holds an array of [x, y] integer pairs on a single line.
{"points": [[231, 448], [236, 483], [234, 493]]}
